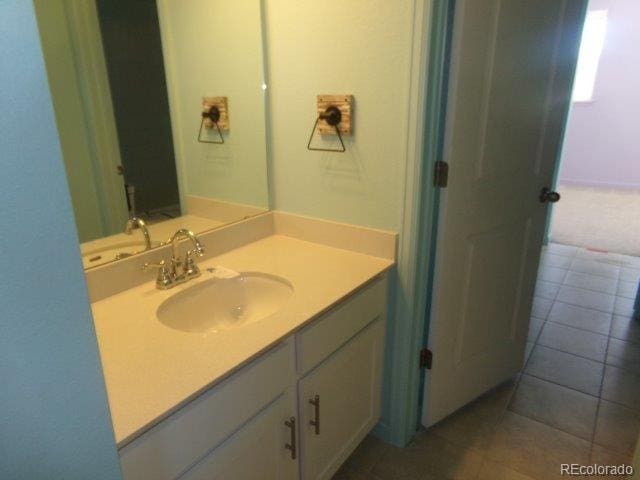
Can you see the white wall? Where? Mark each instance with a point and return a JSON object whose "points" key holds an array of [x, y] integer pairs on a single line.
{"points": [[359, 47], [602, 142], [54, 417], [214, 48]]}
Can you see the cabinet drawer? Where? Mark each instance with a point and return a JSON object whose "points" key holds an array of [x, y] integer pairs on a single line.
{"points": [[329, 332], [175, 444]]}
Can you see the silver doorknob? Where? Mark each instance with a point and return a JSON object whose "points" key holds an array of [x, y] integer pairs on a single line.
{"points": [[548, 195]]}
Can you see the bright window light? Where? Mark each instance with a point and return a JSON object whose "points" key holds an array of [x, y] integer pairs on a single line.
{"points": [[595, 29]]}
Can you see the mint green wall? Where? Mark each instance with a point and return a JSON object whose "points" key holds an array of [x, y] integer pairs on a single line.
{"points": [[54, 418], [359, 47]]}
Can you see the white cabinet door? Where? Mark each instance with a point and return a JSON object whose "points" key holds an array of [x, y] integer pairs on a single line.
{"points": [[258, 451], [345, 391]]}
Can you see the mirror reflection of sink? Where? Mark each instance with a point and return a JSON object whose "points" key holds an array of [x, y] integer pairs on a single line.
{"points": [[114, 251], [223, 303]]}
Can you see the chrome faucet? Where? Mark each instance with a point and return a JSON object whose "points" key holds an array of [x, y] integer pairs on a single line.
{"points": [[179, 270], [137, 222], [183, 270]]}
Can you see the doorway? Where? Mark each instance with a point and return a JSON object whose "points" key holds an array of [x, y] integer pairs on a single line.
{"points": [[575, 393], [599, 176]]}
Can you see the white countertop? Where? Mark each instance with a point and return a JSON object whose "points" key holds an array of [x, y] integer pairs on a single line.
{"points": [[152, 370]]}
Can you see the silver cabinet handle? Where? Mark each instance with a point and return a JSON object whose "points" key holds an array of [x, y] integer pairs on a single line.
{"points": [[315, 401], [291, 423]]}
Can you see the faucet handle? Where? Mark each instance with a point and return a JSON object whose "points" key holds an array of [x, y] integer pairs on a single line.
{"points": [[161, 264], [190, 268], [199, 250], [163, 280]]}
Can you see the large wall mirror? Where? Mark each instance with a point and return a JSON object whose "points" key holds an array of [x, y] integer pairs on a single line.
{"points": [[128, 78]]}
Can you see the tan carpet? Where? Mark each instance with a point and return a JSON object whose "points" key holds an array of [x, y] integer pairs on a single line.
{"points": [[600, 218]]}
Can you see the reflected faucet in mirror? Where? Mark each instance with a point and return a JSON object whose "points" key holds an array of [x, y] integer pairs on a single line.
{"points": [[180, 270], [137, 222]]}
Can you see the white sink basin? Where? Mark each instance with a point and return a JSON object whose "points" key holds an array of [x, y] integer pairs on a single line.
{"points": [[220, 304]]}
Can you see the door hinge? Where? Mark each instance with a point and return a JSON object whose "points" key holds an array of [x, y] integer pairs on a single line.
{"points": [[426, 358], [441, 174]]}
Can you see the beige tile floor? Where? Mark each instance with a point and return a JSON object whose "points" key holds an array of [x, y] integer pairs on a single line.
{"points": [[577, 399]]}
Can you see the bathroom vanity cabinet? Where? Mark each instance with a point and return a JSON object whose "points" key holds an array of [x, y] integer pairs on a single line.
{"points": [[296, 411]]}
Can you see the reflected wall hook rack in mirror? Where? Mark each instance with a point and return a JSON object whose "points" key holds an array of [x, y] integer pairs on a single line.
{"points": [[214, 115], [334, 118]]}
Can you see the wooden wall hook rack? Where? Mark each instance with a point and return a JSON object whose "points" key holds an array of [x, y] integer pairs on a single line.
{"points": [[215, 114], [334, 117]]}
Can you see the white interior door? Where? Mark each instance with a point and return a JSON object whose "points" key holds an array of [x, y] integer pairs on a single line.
{"points": [[510, 82], [77, 74]]}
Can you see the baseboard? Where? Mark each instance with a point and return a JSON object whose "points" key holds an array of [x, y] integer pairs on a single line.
{"points": [[598, 184]]}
